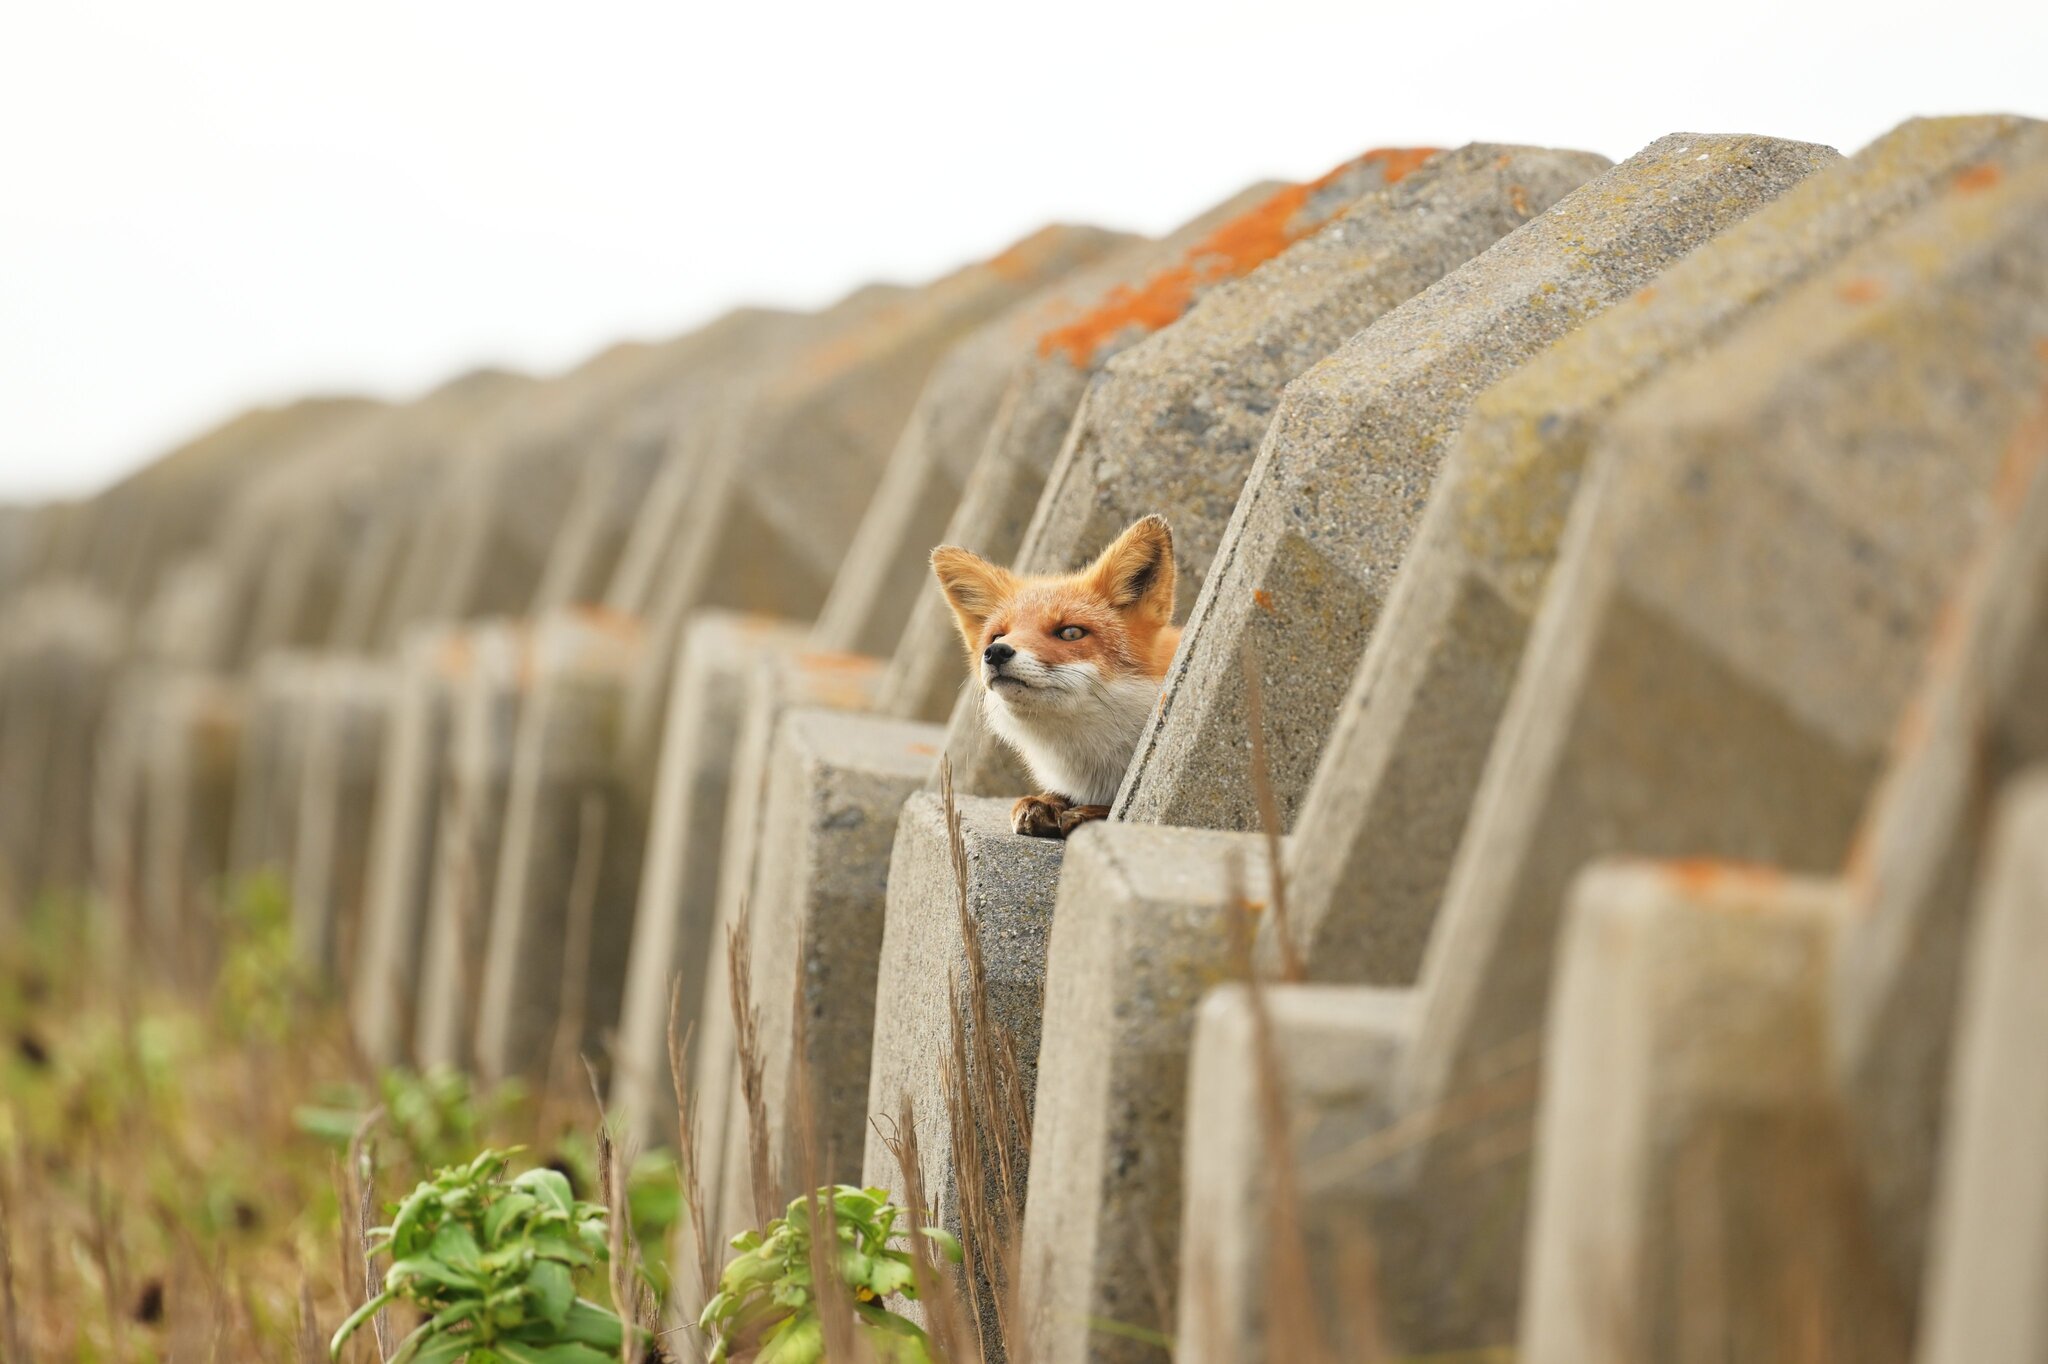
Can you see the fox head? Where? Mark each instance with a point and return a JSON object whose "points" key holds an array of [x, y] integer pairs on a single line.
{"points": [[1069, 666]]}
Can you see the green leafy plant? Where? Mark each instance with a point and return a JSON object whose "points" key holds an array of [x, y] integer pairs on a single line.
{"points": [[492, 1264], [435, 1117], [767, 1309]]}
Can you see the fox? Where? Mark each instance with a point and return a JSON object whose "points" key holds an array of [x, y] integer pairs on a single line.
{"points": [[1069, 666]]}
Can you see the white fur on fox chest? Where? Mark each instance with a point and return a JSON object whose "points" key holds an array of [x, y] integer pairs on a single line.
{"points": [[1075, 729]]}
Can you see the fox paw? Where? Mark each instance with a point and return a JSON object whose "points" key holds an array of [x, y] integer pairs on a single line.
{"points": [[1052, 816], [1040, 816], [1074, 816]]}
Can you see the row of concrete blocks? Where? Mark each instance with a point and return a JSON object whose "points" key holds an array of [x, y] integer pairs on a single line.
{"points": [[1746, 410], [1668, 588]]}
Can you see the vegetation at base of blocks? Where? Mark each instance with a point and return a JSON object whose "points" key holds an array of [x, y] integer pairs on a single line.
{"points": [[435, 1117], [492, 1264], [261, 989], [767, 1308]]}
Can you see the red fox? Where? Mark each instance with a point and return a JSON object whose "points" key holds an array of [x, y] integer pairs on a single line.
{"points": [[1069, 666]]}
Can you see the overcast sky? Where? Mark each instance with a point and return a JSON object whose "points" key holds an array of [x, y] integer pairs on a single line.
{"points": [[210, 203]]}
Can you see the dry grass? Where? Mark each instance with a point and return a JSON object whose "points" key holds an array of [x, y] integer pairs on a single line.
{"points": [[160, 1194]]}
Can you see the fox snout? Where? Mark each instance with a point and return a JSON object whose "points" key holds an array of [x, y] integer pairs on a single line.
{"points": [[993, 658]]}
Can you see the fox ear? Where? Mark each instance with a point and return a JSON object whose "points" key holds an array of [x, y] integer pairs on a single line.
{"points": [[1136, 573], [974, 588]]}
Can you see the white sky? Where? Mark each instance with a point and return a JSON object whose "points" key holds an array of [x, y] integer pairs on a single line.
{"points": [[207, 203]]}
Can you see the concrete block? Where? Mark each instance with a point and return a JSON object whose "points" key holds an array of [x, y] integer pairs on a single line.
{"points": [[781, 683], [1381, 819], [60, 646], [1991, 1241], [483, 535], [1011, 885], [778, 507], [127, 537], [1125, 299], [1146, 924], [1976, 721], [619, 467], [676, 916], [1174, 424], [411, 774], [188, 743], [1695, 1192], [1730, 632], [1343, 474], [288, 541], [471, 790], [828, 821], [569, 861], [348, 712], [275, 722], [943, 438], [654, 579], [1299, 1074]]}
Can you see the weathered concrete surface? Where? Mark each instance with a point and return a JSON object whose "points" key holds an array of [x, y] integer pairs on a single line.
{"points": [[1174, 424], [654, 578], [1313, 1064], [287, 542], [59, 644], [942, 441], [632, 448], [348, 712], [1976, 721], [676, 916], [1695, 1194], [471, 790], [828, 819], [1984, 1296], [1129, 297], [561, 917], [188, 741], [1011, 885], [384, 1002], [187, 622], [125, 538], [481, 539], [1342, 476], [1675, 698], [1146, 923], [781, 683], [1381, 820], [778, 508]]}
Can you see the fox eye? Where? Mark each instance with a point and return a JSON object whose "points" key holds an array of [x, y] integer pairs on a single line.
{"points": [[1071, 632]]}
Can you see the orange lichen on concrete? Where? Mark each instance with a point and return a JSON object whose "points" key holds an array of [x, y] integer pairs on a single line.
{"points": [[455, 656], [1972, 179], [618, 624], [1234, 249], [1862, 289], [1714, 877]]}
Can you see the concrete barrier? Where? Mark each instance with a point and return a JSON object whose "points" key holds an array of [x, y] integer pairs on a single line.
{"points": [[1381, 820], [1175, 423], [1983, 1292], [1353, 452]]}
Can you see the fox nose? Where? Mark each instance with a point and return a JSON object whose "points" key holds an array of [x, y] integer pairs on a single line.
{"points": [[997, 654]]}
